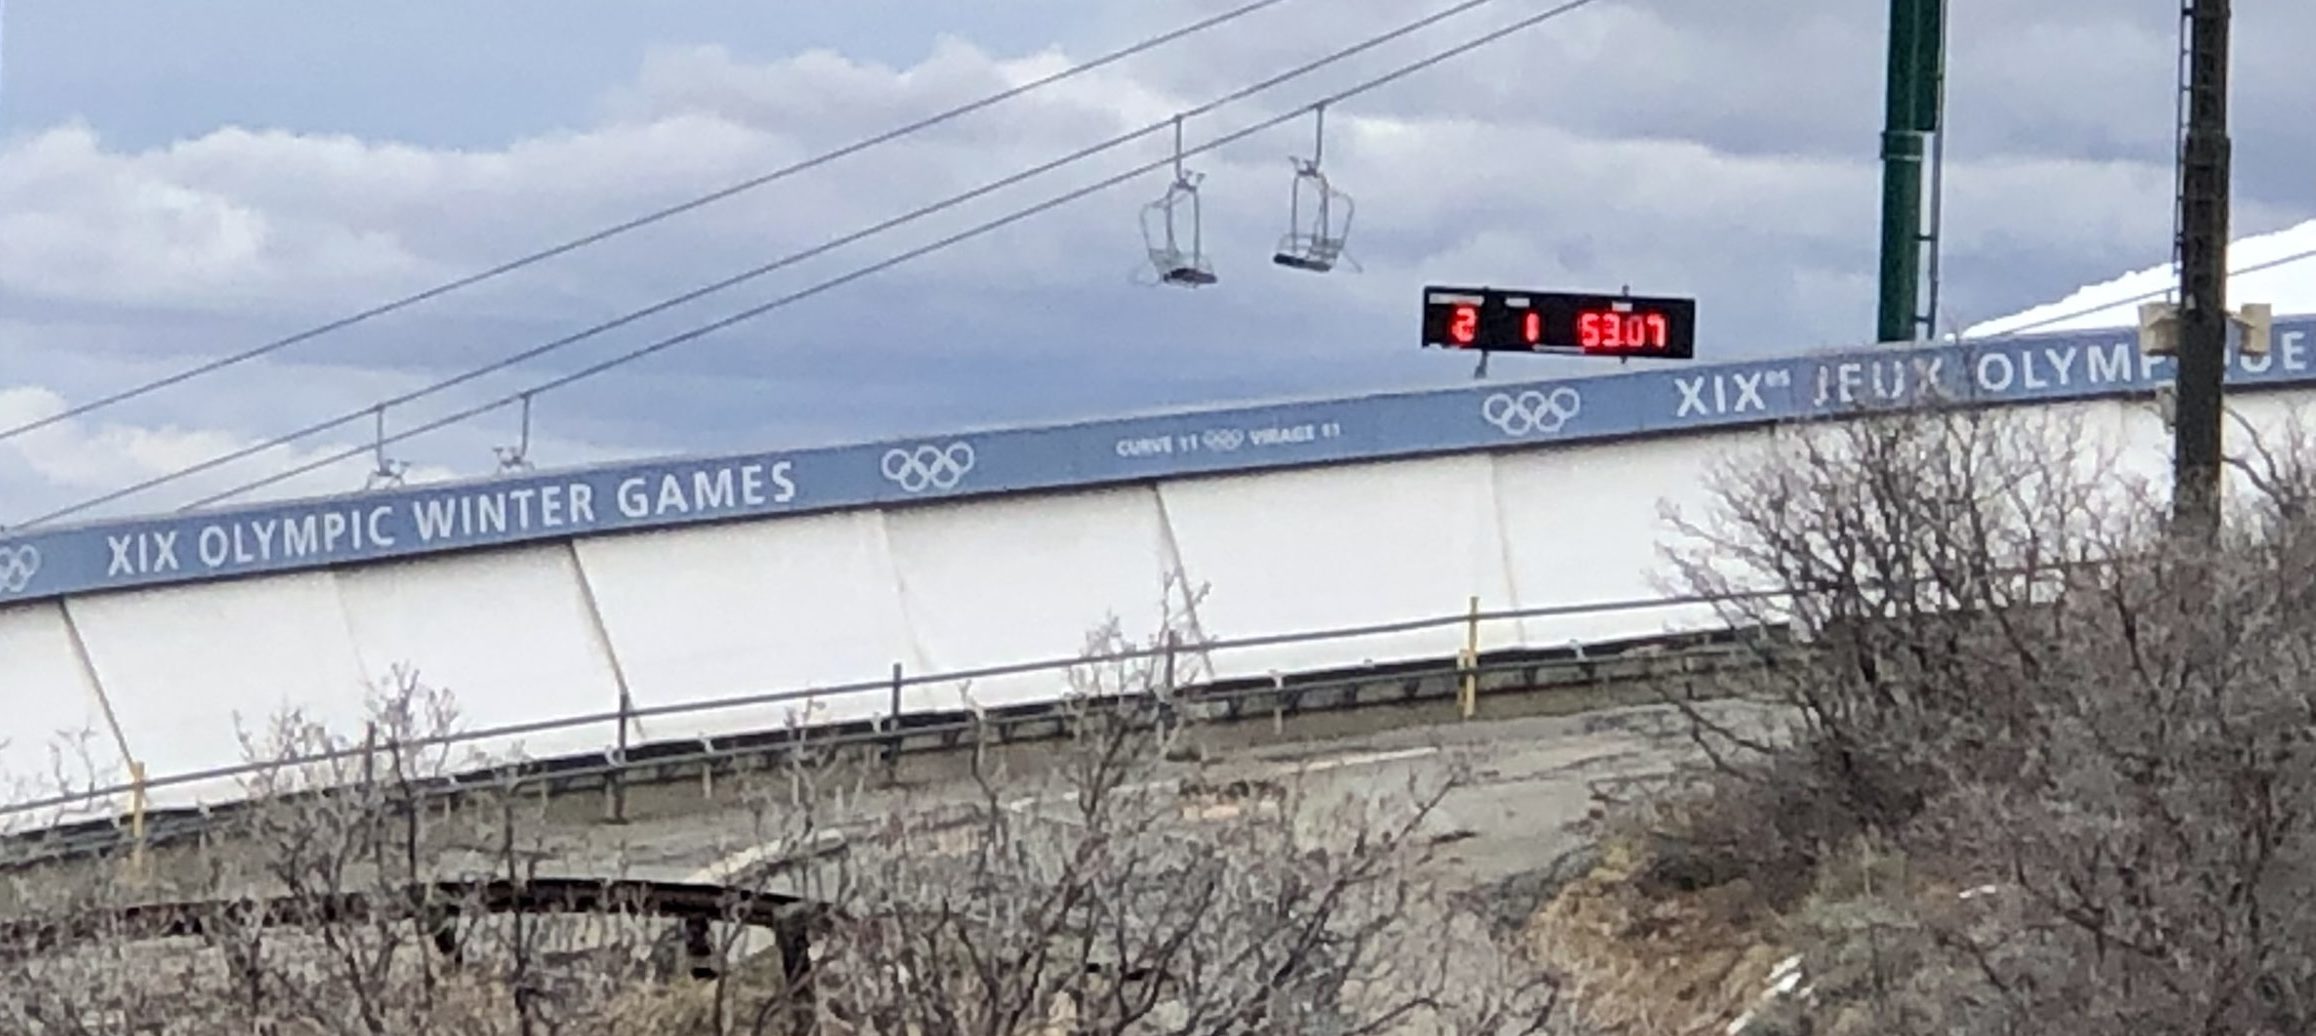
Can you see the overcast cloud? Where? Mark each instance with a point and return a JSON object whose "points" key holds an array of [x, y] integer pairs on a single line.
{"points": [[178, 184]]}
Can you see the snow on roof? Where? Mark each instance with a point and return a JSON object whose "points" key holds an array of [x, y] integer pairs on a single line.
{"points": [[2278, 269]]}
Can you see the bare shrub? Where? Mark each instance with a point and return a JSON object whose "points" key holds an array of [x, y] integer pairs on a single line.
{"points": [[1106, 889], [1116, 890], [2085, 739], [1106, 898], [314, 907]]}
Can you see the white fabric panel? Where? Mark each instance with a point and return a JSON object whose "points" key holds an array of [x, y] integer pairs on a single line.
{"points": [[448, 620], [1585, 525], [2281, 420], [1335, 547], [187, 667], [1021, 580], [2139, 442], [788, 604], [53, 718]]}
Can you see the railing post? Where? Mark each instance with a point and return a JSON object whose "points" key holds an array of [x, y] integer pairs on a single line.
{"points": [[893, 737], [137, 818], [708, 767], [614, 780], [369, 756], [1278, 703], [1173, 641], [1468, 662], [1166, 685]]}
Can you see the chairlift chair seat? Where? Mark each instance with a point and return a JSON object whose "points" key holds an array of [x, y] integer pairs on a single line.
{"points": [[1303, 261]]}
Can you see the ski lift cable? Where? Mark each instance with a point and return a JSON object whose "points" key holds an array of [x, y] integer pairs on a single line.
{"points": [[639, 222], [1568, 7], [1365, 86], [921, 212]]}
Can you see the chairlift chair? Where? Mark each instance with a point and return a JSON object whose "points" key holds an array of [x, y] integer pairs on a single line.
{"points": [[1161, 223], [1318, 245], [387, 472], [518, 456]]}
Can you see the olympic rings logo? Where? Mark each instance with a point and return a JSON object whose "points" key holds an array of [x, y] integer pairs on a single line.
{"points": [[17, 567], [928, 466], [1534, 410], [1222, 440]]}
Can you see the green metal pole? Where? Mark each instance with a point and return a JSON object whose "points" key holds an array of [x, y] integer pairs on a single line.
{"points": [[1917, 54], [1901, 234]]}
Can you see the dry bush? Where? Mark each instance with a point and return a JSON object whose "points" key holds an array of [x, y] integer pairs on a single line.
{"points": [[1108, 890], [1114, 892], [350, 839], [2015, 681]]}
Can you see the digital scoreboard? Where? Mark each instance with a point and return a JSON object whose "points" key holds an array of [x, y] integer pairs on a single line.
{"points": [[1500, 320]]}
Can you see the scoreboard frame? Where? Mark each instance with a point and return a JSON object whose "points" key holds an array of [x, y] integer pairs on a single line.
{"points": [[1584, 323]]}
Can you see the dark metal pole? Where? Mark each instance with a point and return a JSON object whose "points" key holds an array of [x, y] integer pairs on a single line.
{"points": [[1917, 55], [2203, 314]]}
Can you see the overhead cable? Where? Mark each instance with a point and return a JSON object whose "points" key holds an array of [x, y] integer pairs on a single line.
{"points": [[638, 222], [1016, 216], [791, 259]]}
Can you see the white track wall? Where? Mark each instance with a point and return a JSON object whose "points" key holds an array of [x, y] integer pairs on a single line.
{"points": [[817, 601]]}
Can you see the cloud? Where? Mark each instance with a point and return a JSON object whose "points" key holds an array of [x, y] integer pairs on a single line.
{"points": [[90, 458], [1668, 145], [193, 226], [76, 459]]}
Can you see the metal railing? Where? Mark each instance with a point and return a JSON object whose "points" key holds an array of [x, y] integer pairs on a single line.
{"points": [[615, 758]]}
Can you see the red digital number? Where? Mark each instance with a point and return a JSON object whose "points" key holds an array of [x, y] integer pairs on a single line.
{"points": [[1465, 326], [1533, 327], [1598, 330], [1609, 331]]}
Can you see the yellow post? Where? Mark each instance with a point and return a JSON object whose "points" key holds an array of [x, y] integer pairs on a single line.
{"points": [[1468, 699], [137, 817]]}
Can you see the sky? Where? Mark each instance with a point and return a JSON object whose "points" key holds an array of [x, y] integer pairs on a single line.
{"points": [[181, 182]]}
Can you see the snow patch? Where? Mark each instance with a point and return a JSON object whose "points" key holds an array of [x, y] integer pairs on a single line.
{"points": [[2278, 269]]}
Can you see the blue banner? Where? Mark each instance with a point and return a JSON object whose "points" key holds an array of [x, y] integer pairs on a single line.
{"points": [[418, 521]]}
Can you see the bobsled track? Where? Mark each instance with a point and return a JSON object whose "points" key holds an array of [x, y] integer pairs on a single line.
{"points": [[723, 597]]}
